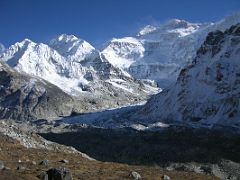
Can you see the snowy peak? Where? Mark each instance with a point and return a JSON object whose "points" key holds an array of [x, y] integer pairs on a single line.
{"points": [[27, 51], [179, 27], [24, 43], [71, 46], [16, 51], [67, 38]]}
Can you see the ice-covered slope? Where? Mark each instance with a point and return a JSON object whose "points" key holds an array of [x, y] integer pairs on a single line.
{"points": [[77, 68], [123, 52], [159, 52], [208, 90]]}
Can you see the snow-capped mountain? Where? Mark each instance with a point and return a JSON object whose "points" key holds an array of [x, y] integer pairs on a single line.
{"points": [[159, 52], [2, 48], [77, 68], [208, 90]]}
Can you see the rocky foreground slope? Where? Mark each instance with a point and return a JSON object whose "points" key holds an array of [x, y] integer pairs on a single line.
{"points": [[208, 90], [25, 155]]}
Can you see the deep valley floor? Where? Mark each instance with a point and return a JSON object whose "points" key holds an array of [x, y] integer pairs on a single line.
{"points": [[184, 149]]}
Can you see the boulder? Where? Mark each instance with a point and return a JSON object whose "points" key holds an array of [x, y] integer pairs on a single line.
{"points": [[59, 174], [135, 175], [166, 177]]}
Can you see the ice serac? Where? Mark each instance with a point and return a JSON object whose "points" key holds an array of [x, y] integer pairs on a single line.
{"points": [[159, 52], [78, 69], [207, 90], [24, 97]]}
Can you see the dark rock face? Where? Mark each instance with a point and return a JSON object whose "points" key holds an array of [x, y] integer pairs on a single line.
{"points": [[59, 174], [27, 98], [212, 43]]}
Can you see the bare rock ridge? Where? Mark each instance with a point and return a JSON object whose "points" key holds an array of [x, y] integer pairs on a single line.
{"points": [[24, 97], [207, 91]]}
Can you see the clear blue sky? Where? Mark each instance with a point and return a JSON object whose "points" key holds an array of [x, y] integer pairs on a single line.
{"points": [[98, 21]]}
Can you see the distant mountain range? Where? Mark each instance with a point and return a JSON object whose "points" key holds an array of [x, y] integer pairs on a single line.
{"points": [[124, 72]]}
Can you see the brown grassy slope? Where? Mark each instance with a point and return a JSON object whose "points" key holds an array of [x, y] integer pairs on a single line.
{"points": [[11, 152]]}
